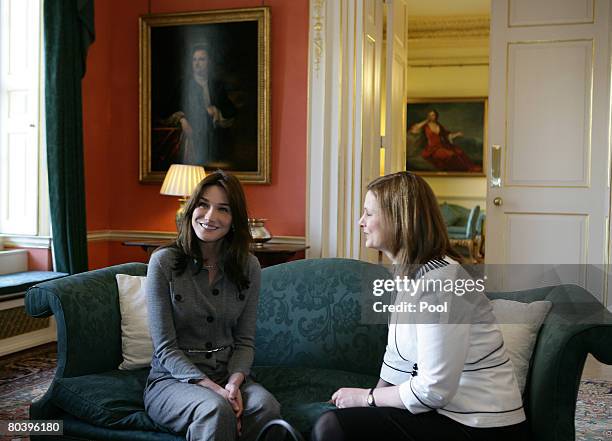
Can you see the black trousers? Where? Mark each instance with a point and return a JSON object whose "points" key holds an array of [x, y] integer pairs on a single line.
{"points": [[391, 424]]}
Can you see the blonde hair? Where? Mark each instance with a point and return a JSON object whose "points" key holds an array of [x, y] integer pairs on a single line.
{"points": [[414, 228]]}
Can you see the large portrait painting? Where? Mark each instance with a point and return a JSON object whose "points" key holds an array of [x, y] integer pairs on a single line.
{"points": [[446, 137], [205, 93]]}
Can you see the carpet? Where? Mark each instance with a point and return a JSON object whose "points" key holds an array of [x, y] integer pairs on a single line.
{"points": [[594, 411], [26, 376]]}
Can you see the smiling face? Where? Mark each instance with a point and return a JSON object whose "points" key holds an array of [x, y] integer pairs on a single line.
{"points": [[371, 223], [212, 217]]}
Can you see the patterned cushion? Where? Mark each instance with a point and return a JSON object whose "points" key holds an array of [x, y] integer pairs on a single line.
{"points": [[310, 316]]}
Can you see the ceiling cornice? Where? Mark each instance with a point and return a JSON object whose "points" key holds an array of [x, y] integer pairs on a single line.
{"points": [[448, 27]]}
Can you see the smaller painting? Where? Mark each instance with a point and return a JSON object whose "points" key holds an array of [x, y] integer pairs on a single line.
{"points": [[446, 137]]}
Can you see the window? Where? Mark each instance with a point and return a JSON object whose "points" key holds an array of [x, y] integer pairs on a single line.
{"points": [[23, 175]]}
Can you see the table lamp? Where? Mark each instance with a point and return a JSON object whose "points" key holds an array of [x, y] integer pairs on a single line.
{"points": [[180, 181]]}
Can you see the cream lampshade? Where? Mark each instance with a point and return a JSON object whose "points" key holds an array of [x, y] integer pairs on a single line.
{"points": [[180, 181]]}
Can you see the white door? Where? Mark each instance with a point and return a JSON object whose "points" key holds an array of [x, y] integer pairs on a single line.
{"points": [[549, 121], [367, 128], [394, 102]]}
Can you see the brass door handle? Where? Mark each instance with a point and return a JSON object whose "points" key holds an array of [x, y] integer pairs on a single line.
{"points": [[495, 178], [498, 202]]}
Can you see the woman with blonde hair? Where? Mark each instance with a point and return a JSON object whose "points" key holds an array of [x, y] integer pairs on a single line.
{"points": [[202, 295], [444, 377]]}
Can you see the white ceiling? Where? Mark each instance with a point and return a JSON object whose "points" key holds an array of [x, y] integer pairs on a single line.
{"points": [[448, 7]]}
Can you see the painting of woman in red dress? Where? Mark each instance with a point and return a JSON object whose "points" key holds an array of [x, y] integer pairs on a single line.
{"points": [[440, 150], [453, 147]]}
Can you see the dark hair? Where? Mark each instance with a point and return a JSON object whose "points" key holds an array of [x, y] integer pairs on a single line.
{"points": [[435, 111], [235, 252], [415, 229]]}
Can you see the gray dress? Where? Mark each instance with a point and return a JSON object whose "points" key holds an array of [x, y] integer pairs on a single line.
{"points": [[187, 316]]}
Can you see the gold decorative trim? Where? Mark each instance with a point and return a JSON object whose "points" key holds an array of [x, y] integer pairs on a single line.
{"points": [[458, 62], [318, 22], [123, 235], [457, 26]]}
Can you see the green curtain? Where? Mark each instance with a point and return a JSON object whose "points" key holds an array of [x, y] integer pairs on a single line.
{"points": [[69, 30]]}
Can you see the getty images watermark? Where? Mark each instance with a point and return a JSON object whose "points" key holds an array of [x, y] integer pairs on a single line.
{"points": [[406, 289], [467, 293]]}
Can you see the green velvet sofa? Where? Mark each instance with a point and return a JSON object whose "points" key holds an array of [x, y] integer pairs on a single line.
{"points": [[309, 342]]}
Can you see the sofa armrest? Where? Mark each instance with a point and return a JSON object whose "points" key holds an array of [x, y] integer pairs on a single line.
{"points": [[577, 325], [86, 310]]}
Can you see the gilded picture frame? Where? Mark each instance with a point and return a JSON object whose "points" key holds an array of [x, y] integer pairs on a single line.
{"points": [[205, 93], [458, 149]]}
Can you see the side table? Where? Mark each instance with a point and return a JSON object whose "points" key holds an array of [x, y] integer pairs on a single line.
{"points": [[268, 254]]}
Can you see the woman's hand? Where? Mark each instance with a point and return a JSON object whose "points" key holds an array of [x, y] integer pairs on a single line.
{"points": [[186, 127], [231, 393], [454, 135], [234, 397], [350, 397]]}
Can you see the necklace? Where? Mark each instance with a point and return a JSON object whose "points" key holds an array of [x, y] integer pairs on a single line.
{"points": [[211, 266]]}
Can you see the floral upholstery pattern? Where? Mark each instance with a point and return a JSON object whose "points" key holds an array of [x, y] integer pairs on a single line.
{"points": [[310, 341], [310, 316]]}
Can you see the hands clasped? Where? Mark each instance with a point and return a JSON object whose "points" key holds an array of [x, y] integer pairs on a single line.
{"points": [[231, 392]]}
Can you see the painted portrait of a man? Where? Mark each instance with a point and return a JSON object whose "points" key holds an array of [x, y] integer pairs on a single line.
{"points": [[207, 94]]}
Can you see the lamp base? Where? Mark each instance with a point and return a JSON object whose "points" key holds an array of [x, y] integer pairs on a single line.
{"points": [[179, 212]]}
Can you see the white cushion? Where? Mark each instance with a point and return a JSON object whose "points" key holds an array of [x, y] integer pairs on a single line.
{"points": [[136, 343], [520, 324]]}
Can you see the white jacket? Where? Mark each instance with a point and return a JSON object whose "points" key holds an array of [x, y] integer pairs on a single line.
{"points": [[459, 368]]}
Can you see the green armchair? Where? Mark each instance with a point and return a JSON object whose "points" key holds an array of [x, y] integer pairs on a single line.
{"points": [[461, 225], [310, 341]]}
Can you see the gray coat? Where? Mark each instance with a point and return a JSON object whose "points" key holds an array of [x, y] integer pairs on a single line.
{"points": [[186, 315]]}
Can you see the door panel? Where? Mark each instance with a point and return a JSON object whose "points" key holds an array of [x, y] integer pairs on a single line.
{"points": [[549, 114], [541, 231], [556, 129], [549, 12]]}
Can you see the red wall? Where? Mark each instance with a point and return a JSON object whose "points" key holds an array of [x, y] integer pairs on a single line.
{"points": [[115, 199]]}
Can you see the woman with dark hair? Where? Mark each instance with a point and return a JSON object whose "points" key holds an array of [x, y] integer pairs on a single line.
{"points": [[439, 148], [444, 377], [202, 295]]}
